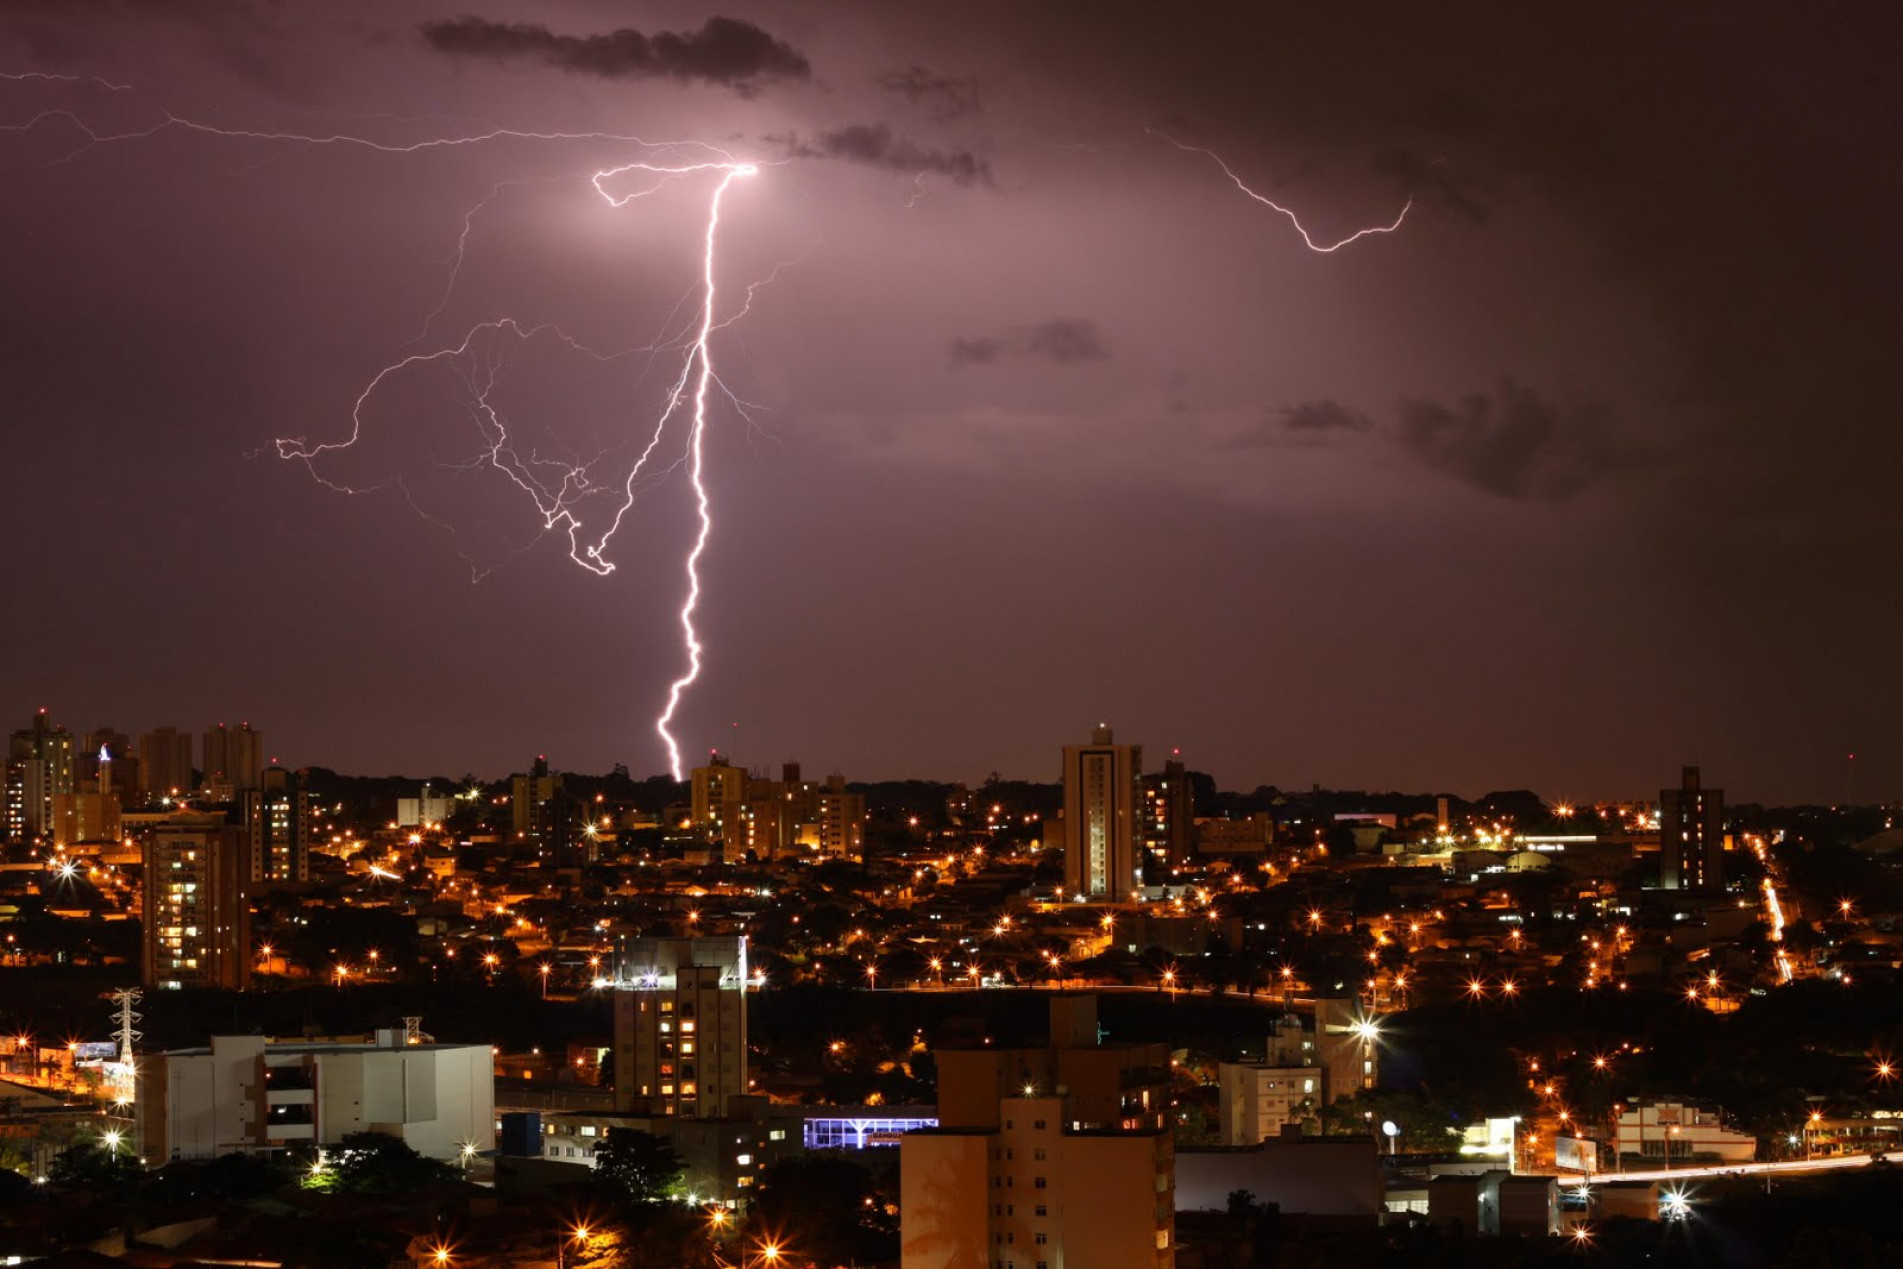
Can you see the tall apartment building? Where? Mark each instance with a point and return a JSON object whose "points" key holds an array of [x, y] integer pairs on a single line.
{"points": [[1034, 1193], [840, 820], [1044, 1158], [234, 760], [1101, 862], [90, 813], [1346, 1047], [88, 816], [547, 818], [1169, 817], [40, 767], [107, 760], [251, 1095], [720, 804], [197, 926], [427, 807], [1260, 1102], [278, 828], [776, 819], [1111, 1086], [680, 1025], [165, 762], [1691, 835]]}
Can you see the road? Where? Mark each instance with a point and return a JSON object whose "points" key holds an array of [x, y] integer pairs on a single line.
{"points": [[1788, 1168]]}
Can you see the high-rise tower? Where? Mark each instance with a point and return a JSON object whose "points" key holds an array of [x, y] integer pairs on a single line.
{"points": [[1100, 819]]}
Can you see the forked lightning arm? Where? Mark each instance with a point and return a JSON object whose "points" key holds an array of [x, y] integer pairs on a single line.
{"points": [[1307, 238], [554, 501], [691, 388]]}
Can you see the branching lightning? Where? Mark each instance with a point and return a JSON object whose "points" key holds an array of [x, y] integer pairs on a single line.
{"points": [[556, 503], [1307, 238], [556, 497], [557, 488]]}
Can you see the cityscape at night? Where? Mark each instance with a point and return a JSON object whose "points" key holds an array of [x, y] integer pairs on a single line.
{"points": [[903, 636]]}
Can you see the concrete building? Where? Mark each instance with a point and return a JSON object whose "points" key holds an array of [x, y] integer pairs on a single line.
{"points": [[840, 820], [1252, 836], [234, 760], [1691, 835], [1168, 812], [86, 816], [1035, 1193], [40, 767], [427, 807], [547, 819], [1494, 1202], [196, 923], [278, 828], [722, 1158], [1674, 1133], [1346, 1046], [1107, 1086], [1101, 861], [165, 762], [1260, 1102], [250, 1095], [719, 792], [788, 818], [106, 761], [680, 1025], [90, 812]]}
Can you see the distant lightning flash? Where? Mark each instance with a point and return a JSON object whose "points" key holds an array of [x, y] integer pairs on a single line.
{"points": [[1293, 219], [555, 500]]}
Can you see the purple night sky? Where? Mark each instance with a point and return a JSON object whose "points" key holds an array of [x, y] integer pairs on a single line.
{"points": [[1585, 472]]}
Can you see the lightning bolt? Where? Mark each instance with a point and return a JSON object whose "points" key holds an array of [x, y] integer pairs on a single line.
{"points": [[690, 391], [555, 499], [1307, 238]]}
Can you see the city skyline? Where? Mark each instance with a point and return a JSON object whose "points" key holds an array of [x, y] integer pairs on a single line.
{"points": [[970, 774], [1575, 476]]}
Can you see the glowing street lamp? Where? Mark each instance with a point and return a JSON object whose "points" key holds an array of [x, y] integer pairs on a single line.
{"points": [[544, 970]]}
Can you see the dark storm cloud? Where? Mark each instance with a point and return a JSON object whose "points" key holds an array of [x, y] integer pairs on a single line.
{"points": [[875, 145], [1064, 340], [1303, 422], [1519, 443], [946, 96], [726, 51], [1319, 417]]}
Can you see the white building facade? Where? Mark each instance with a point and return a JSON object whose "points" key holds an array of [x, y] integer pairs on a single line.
{"points": [[251, 1095]]}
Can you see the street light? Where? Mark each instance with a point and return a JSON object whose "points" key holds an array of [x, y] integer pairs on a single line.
{"points": [[543, 970]]}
